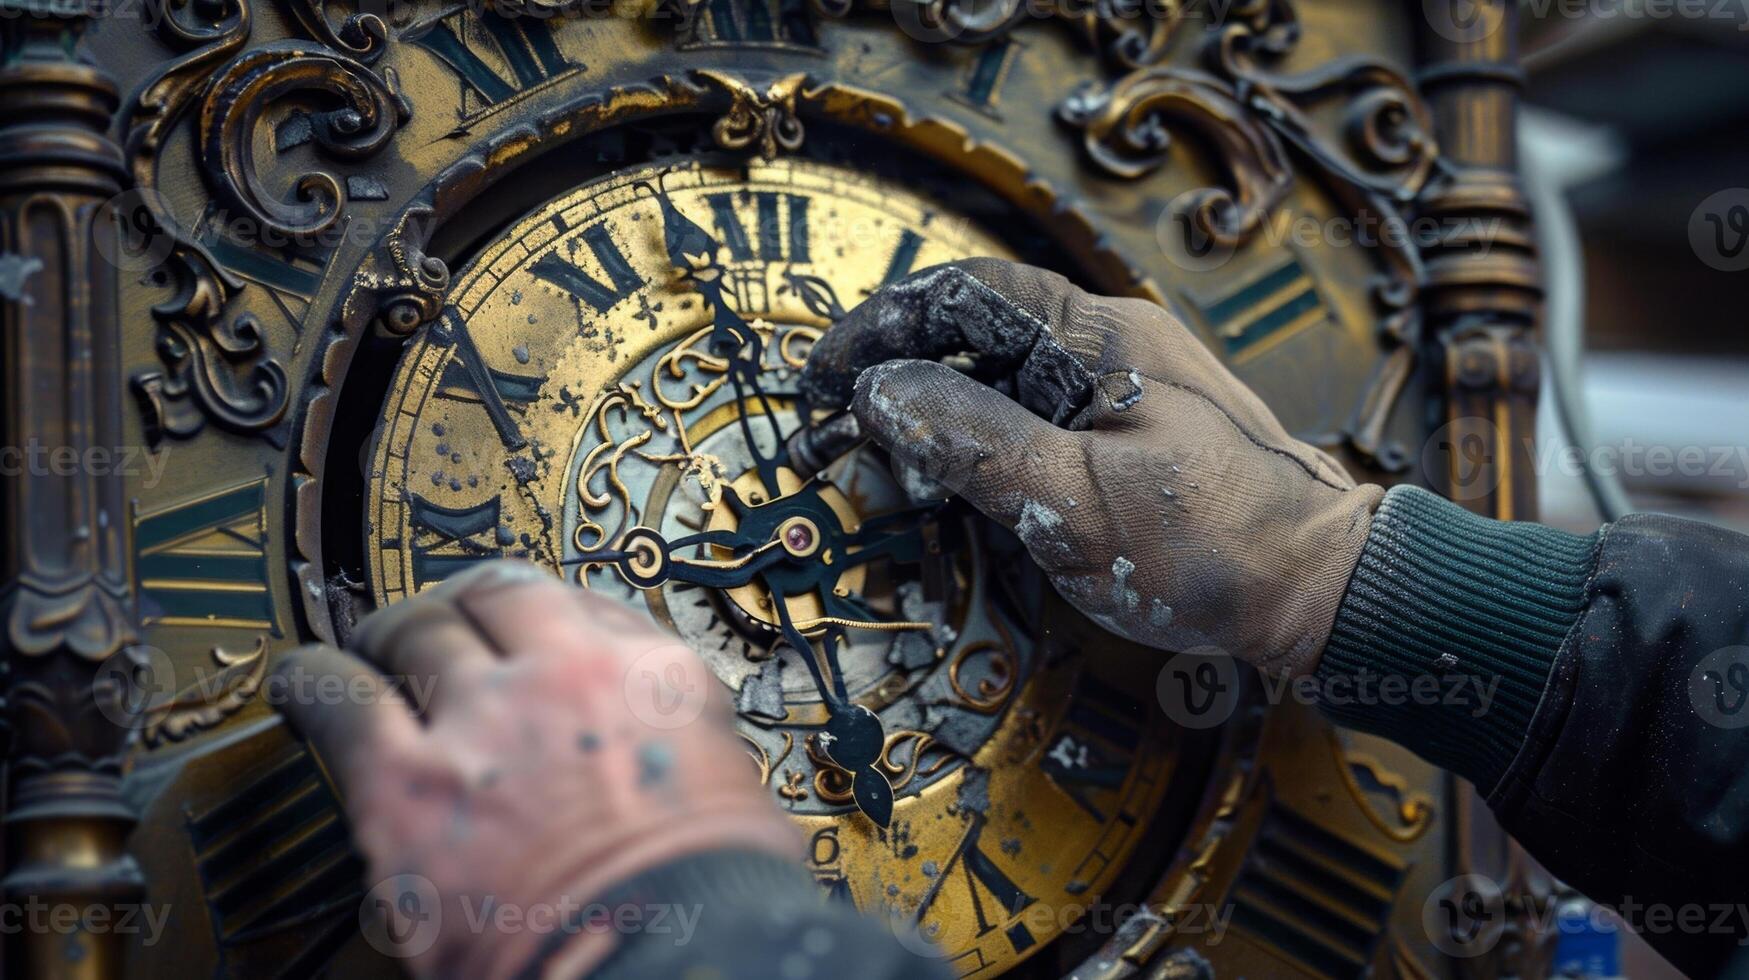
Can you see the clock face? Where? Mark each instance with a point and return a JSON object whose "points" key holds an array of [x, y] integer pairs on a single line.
{"points": [[1020, 771], [414, 290]]}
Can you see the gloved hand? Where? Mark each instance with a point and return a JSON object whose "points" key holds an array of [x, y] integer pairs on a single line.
{"points": [[1161, 496], [542, 772]]}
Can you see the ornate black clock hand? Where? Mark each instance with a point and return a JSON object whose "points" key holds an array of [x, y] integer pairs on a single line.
{"points": [[694, 255], [853, 737]]}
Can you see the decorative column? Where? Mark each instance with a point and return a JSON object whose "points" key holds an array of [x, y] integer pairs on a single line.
{"points": [[64, 593], [1483, 294], [1482, 305]]}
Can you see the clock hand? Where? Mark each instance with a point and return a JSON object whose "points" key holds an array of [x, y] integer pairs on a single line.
{"points": [[853, 737], [646, 560], [693, 253]]}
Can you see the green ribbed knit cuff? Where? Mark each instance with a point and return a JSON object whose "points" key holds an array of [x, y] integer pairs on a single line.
{"points": [[1467, 614]]}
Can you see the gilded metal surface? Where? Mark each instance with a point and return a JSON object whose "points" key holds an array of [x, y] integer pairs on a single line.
{"points": [[327, 202]]}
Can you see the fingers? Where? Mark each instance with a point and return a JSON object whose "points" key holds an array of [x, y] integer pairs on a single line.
{"points": [[968, 437], [1029, 329], [946, 311], [347, 711]]}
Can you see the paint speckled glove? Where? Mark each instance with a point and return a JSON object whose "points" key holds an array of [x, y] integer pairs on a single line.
{"points": [[1162, 497]]}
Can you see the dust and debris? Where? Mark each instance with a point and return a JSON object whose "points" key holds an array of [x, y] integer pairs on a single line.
{"points": [[520, 352], [762, 694], [918, 485], [1446, 661], [910, 651], [655, 762], [974, 794], [522, 468], [931, 869], [1076, 887], [1011, 846], [1168, 492], [1159, 614], [1127, 400], [1124, 597], [915, 606], [588, 742], [1041, 529]]}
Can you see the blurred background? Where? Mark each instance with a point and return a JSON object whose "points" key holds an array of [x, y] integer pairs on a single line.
{"points": [[1635, 139]]}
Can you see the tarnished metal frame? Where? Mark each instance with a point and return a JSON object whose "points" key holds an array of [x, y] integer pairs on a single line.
{"points": [[66, 600]]}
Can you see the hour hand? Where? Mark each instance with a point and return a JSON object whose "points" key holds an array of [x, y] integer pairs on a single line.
{"points": [[647, 560]]}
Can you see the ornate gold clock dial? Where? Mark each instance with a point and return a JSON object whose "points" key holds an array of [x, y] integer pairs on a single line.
{"points": [[568, 404]]}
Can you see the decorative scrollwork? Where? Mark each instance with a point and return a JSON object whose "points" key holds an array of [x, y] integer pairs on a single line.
{"points": [[361, 36], [405, 285], [992, 691], [606, 457], [208, 701], [1127, 132], [202, 353], [370, 108], [1386, 145], [833, 785], [763, 117]]}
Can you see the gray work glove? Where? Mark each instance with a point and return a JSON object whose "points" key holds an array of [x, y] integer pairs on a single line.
{"points": [[1158, 492]]}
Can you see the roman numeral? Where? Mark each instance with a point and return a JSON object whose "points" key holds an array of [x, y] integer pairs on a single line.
{"points": [[904, 256], [1316, 898], [782, 227], [277, 868], [204, 562], [1262, 313], [448, 540], [467, 378], [524, 45], [553, 269], [753, 22], [983, 84], [1090, 756], [289, 275], [990, 888]]}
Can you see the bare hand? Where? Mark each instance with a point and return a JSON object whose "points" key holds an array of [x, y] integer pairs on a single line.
{"points": [[563, 744]]}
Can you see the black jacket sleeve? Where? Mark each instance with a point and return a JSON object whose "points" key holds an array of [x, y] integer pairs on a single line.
{"points": [[1615, 744]]}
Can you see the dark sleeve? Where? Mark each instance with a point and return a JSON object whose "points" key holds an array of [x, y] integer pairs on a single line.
{"points": [[744, 915], [1615, 742]]}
